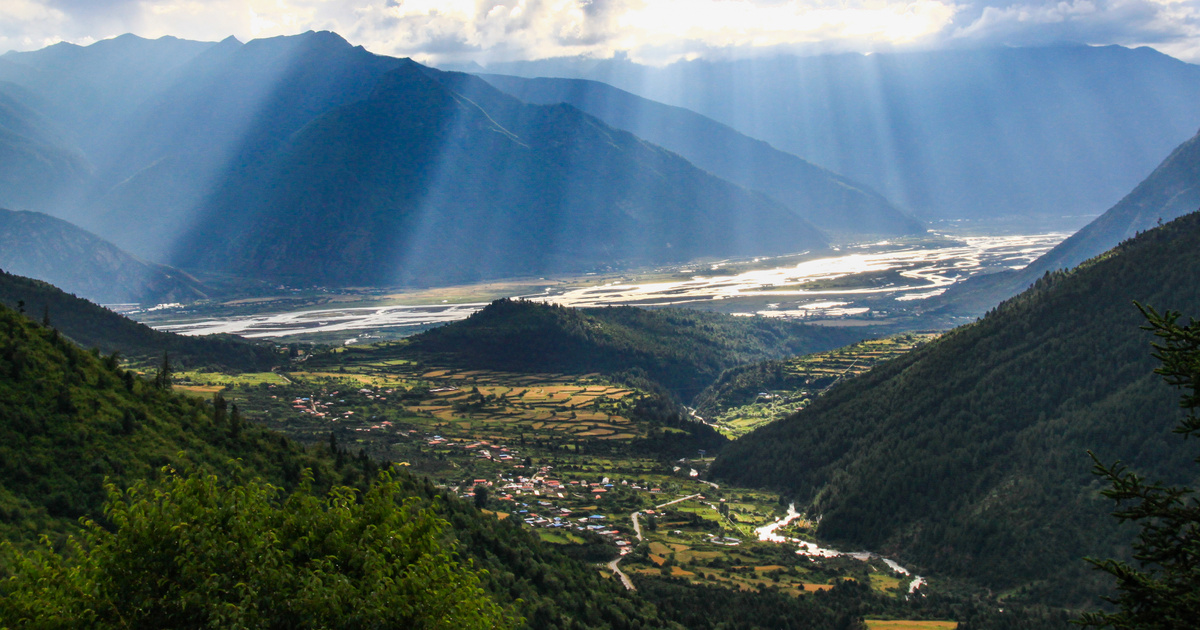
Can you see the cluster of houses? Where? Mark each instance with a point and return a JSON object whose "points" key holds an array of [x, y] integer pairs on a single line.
{"points": [[481, 448], [531, 498]]}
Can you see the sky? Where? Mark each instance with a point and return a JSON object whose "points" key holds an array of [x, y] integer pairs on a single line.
{"points": [[647, 31]]}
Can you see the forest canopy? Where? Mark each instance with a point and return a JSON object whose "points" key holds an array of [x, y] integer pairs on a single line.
{"points": [[196, 551]]}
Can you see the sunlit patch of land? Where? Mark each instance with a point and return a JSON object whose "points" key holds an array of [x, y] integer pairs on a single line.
{"points": [[564, 454], [899, 624]]}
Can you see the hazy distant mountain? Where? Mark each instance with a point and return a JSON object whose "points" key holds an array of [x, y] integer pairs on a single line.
{"points": [[1171, 191], [437, 178], [825, 199], [969, 456], [38, 167], [43, 247], [310, 160], [956, 133]]}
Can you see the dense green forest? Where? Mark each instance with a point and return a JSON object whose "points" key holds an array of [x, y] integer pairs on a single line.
{"points": [[93, 326], [968, 456], [682, 350]]}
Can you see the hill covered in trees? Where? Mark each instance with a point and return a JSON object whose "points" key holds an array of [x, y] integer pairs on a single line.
{"points": [[682, 350], [969, 456], [93, 326]]}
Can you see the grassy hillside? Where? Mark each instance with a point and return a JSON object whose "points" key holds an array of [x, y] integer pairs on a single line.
{"points": [[93, 326], [968, 456], [680, 349]]}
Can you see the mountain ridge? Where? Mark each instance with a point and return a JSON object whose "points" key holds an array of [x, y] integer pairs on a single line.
{"points": [[965, 134], [827, 200], [1169, 192], [50, 249], [559, 192]]}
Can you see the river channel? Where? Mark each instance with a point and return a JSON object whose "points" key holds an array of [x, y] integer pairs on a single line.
{"points": [[769, 533], [826, 286]]}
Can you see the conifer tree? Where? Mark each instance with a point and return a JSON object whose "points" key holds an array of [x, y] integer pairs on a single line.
{"points": [[1163, 591]]}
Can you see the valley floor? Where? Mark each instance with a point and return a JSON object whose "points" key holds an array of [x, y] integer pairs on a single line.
{"points": [[879, 285]]}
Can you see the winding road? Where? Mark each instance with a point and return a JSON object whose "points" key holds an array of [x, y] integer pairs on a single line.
{"points": [[621, 574]]}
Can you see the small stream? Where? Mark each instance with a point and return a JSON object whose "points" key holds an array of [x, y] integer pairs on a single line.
{"points": [[768, 533]]}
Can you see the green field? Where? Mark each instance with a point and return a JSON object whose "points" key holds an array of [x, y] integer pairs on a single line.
{"points": [[753, 396]]}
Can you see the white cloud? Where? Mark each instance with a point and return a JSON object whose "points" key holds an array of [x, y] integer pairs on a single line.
{"points": [[649, 30]]}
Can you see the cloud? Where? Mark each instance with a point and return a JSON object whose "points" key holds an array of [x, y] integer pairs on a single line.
{"points": [[1086, 21], [654, 31]]}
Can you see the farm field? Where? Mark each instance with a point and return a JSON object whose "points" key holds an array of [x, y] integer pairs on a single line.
{"points": [[753, 396], [892, 624]]}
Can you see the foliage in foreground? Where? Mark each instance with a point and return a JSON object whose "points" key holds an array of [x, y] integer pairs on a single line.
{"points": [[196, 552], [1164, 593]]}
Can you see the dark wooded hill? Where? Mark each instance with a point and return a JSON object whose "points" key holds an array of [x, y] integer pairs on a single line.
{"points": [[968, 456], [682, 350], [93, 326]]}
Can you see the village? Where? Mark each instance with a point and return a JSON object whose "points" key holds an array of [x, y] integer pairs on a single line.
{"points": [[559, 455]]}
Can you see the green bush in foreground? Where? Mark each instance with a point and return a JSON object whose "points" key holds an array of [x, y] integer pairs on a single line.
{"points": [[196, 552]]}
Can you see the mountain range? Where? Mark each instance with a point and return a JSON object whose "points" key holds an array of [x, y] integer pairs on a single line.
{"points": [[959, 134], [307, 160], [833, 203], [40, 246]]}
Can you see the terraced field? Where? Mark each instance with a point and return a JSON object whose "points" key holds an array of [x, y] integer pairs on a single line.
{"points": [[753, 396]]}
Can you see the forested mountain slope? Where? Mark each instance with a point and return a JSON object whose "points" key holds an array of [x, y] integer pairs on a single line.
{"points": [[968, 456], [680, 349], [40, 246], [93, 326], [829, 201]]}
